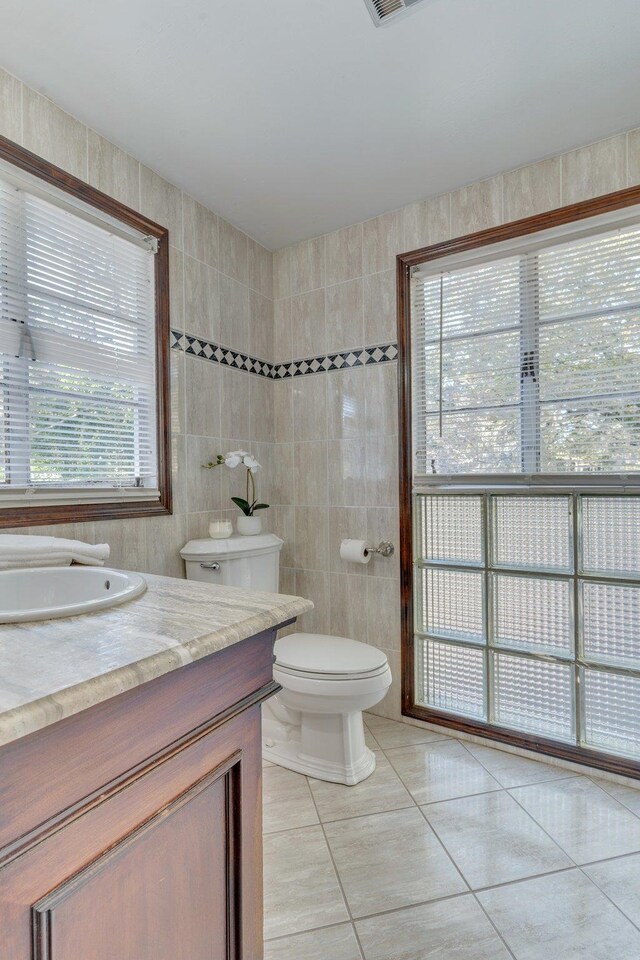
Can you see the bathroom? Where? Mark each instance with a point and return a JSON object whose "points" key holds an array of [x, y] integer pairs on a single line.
{"points": [[377, 228]]}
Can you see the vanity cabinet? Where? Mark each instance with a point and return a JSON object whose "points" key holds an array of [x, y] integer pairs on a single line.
{"points": [[132, 830]]}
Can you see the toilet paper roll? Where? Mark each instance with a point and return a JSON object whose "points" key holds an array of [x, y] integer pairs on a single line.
{"points": [[355, 551]]}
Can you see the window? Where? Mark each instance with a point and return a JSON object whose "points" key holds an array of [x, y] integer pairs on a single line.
{"points": [[523, 470], [83, 335], [530, 363]]}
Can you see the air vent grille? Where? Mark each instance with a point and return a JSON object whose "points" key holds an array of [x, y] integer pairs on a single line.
{"points": [[383, 10]]}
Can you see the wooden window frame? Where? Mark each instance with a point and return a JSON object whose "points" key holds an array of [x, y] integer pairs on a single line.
{"points": [[25, 516], [404, 263]]}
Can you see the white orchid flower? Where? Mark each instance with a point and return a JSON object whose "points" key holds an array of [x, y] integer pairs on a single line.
{"points": [[233, 459], [251, 463]]}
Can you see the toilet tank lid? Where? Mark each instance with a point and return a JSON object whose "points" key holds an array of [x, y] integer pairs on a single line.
{"points": [[231, 547], [319, 653]]}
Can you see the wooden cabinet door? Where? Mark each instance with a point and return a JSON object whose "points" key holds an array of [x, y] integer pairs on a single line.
{"points": [[159, 894], [166, 867]]}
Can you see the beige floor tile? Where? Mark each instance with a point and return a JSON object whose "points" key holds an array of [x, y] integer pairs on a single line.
{"points": [[301, 890], [620, 881], [370, 740], [454, 929], [440, 771], [562, 917], [331, 943], [390, 733], [390, 860], [286, 800], [492, 840], [513, 771], [629, 796], [383, 790], [584, 820]]}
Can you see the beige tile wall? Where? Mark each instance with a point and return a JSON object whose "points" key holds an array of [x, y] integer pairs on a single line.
{"points": [[339, 429], [221, 288]]}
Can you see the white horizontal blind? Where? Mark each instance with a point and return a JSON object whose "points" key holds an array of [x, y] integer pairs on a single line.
{"points": [[529, 363], [77, 353]]}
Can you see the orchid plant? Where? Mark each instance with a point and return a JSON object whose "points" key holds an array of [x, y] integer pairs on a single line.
{"points": [[233, 460]]}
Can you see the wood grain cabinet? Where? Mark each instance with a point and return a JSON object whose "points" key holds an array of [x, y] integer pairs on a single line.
{"points": [[132, 830]]}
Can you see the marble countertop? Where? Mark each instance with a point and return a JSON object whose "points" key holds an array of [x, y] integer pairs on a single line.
{"points": [[54, 668]]}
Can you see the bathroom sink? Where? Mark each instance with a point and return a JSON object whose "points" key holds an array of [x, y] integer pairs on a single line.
{"points": [[40, 593]]}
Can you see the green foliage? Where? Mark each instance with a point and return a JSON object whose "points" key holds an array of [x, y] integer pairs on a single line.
{"points": [[249, 508]]}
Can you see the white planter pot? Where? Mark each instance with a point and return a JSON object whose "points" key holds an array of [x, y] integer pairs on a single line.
{"points": [[249, 526]]}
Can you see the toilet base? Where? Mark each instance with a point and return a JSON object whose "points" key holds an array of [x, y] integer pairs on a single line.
{"points": [[338, 752], [286, 755]]}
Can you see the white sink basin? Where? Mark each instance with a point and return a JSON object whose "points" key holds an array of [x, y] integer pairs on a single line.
{"points": [[40, 593]]}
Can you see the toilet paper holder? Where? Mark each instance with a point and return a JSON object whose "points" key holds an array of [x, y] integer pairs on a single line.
{"points": [[385, 549]]}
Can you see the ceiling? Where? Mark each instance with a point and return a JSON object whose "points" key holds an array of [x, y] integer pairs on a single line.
{"points": [[292, 118]]}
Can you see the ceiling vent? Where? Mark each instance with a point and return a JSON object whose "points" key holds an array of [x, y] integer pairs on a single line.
{"points": [[384, 10]]}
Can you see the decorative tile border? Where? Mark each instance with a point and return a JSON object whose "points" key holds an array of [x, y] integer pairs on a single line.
{"points": [[341, 360], [218, 354]]}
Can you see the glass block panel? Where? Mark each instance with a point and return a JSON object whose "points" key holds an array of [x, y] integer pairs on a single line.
{"points": [[449, 529], [532, 533], [611, 712], [533, 696], [454, 678], [611, 623], [450, 604], [611, 535], [533, 614]]}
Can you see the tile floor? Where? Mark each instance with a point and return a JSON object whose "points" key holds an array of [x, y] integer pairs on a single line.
{"points": [[450, 851]]}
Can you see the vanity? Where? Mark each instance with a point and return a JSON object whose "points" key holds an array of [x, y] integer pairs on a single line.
{"points": [[130, 776]]}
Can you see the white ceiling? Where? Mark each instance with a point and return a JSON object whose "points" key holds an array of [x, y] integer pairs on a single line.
{"points": [[295, 117]]}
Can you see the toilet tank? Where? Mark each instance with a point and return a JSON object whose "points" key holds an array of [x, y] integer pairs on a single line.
{"points": [[248, 562]]}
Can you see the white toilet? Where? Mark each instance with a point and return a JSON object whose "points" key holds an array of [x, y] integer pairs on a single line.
{"points": [[314, 725]]}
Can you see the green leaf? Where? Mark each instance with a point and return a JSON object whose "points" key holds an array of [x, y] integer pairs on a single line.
{"points": [[244, 505], [260, 506]]}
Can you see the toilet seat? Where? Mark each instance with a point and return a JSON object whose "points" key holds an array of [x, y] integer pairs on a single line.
{"points": [[324, 658], [313, 725]]}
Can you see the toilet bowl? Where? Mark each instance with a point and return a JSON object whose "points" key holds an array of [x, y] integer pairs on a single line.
{"points": [[314, 724]]}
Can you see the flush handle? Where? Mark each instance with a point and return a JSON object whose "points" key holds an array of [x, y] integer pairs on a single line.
{"points": [[210, 566]]}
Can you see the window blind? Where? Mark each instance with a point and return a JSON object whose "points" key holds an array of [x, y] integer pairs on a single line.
{"points": [[529, 362], [77, 355]]}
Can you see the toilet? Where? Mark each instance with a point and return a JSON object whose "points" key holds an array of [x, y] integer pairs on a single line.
{"points": [[314, 724]]}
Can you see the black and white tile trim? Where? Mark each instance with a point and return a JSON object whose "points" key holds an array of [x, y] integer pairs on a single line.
{"points": [[344, 359], [215, 353]]}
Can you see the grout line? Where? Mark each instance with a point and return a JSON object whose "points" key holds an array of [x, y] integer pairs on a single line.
{"points": [[517, 786], [299, 933], [337, 873]]}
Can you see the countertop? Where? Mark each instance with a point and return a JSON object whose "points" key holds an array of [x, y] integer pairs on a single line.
{"points": [[54, 668]]}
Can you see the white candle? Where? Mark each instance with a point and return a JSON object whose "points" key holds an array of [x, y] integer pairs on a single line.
{"points": [[220, 529]]}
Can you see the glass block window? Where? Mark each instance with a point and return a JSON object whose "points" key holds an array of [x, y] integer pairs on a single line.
{"points": [[611, 536], [532, 533], [533, 613], [527, 613], [450, 603], [455, 678], [533, 695]]}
